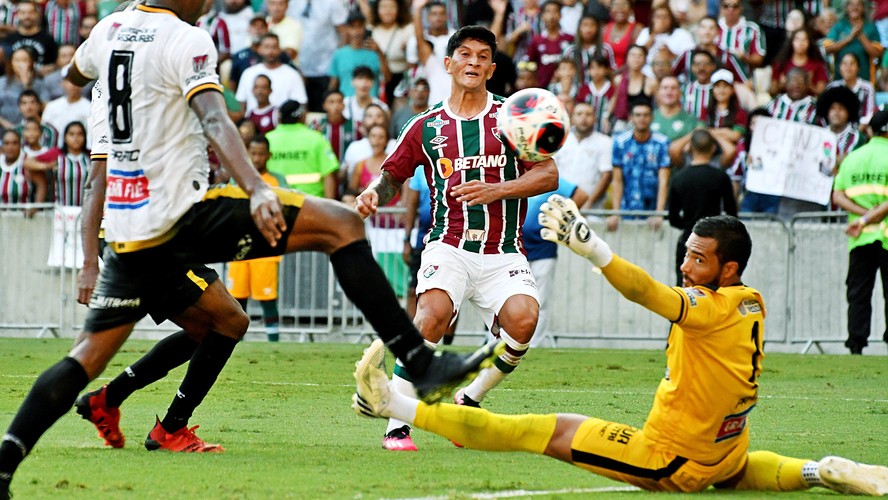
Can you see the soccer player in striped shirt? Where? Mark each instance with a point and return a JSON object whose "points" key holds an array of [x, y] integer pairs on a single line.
{"points": [[795, 104], [739, 36], [479, 193]]}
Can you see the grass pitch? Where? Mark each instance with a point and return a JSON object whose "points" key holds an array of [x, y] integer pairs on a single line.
{"points": [[282, 413]]}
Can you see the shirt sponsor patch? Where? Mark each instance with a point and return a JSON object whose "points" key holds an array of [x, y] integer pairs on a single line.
{"points": [[127, 190], [752, 305], [692, 294], [733, 425]]}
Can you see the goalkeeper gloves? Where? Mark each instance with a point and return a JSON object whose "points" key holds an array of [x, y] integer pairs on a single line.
{"points": [[562, 223]]}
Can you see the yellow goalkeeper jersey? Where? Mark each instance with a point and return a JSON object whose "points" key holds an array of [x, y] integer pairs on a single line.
{"points": [[714, 357]]}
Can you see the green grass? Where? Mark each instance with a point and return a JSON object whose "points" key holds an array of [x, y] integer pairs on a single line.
{"points": [[282, 413]]}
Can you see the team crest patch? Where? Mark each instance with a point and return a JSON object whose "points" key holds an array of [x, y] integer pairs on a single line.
{"points": [[199, 63], [429, 271]]}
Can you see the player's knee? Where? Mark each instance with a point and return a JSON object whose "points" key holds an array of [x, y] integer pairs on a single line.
{"points": [[432, 325], [344, 224], [233, 323]]}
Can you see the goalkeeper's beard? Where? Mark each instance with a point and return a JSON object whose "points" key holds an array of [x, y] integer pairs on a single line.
{"points": [[686, 281]]}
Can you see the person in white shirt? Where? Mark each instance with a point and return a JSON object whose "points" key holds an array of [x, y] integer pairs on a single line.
{"points": [[71, 107], [585, 159], [438, 33], [286, 82], [288, 29], [237, 15], [321, 19], [362, 82], [571, 12], [429, 65]]}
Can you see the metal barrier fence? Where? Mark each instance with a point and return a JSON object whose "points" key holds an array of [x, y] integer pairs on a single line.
{"points": [[798, 266]]}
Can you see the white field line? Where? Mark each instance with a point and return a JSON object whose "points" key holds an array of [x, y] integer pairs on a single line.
{"points": [[532, 493]]}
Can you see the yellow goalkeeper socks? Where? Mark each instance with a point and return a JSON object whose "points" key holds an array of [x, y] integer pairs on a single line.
{"points": [[482, 430], [767, 471]]}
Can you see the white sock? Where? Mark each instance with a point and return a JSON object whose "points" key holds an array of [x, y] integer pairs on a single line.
{"points": [[502, 367], [401, 386], [811, 474], [402, 409], [484, 382]]}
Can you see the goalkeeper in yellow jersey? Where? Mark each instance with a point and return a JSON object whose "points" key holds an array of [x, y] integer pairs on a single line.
{"points": [[696, 434]]}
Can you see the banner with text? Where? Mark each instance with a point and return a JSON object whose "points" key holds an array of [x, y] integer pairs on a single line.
{"points": [[791, 159]]}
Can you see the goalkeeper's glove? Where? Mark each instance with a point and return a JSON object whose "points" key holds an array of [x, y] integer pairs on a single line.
{"points": [[562, 223]]}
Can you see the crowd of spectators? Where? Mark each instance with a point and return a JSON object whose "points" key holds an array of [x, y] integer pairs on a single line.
{"points": [[638, 78]]}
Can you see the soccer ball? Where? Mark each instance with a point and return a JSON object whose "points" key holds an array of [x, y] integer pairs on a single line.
{"points": [[533, 124]]}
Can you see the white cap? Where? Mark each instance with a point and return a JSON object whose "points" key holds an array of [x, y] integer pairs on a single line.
{"points": [[722, 75]]}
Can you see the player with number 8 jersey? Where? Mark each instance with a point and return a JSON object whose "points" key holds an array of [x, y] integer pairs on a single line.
{"points": [[152, 197]]}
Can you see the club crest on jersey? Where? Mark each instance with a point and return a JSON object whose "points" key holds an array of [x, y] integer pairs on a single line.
{"points": [[126, 190], [199, 63]]}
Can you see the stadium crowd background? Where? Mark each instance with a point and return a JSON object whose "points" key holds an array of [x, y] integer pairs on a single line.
{"points": [[342, 58]]}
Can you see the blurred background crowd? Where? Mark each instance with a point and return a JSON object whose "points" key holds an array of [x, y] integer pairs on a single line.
{"points": [[330, 83]]}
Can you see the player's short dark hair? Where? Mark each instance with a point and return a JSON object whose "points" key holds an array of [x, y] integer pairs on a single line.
{"points": [[269, 35], [733, 243], [262, 76], [260, 139], [364, 72], [702, 141], [550, 2], [705, 53], [420, 81], [330, 92], [640, 101], [29, 93], [14, 132], [436, 3], [473, 32]]}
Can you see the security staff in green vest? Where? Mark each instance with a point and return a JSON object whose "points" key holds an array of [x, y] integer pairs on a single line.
{"points": [[304, 157], [861, 188]]}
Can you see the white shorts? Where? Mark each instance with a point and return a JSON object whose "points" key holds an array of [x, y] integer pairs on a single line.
{"points": [[488, 280]]}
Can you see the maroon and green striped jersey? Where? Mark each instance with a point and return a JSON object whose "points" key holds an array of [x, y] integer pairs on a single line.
{"points": [[71, 178], [453, 151]]}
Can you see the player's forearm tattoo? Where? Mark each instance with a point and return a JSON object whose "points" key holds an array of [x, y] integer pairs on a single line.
{"points": [[386, 187]]}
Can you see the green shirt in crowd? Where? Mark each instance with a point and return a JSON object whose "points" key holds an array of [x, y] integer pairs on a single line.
{"points": [[864, 179], [304, 157], [677, 125]]}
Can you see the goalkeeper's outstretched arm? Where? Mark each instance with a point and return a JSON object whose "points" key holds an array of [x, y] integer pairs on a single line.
{"points": [[562, 223]]}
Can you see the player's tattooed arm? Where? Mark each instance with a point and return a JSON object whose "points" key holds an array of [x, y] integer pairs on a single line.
{"points": [[379, 192]]}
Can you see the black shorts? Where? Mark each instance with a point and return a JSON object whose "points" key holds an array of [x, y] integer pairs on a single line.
{"points": [[167, 278], [415, 261]]}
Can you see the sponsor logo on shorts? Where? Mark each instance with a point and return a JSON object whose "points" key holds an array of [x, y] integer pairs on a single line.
{"points": [[126, 190], [429, 271], [529, 282], [244, 245], [103, 302], [621, 433], [732, 425], [520, 271]]}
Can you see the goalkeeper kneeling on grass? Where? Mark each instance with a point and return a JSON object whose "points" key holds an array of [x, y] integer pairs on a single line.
{"points": [[696, 434]]}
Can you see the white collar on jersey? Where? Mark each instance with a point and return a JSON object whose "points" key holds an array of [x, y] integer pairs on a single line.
{"points": [[453, 115]]}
